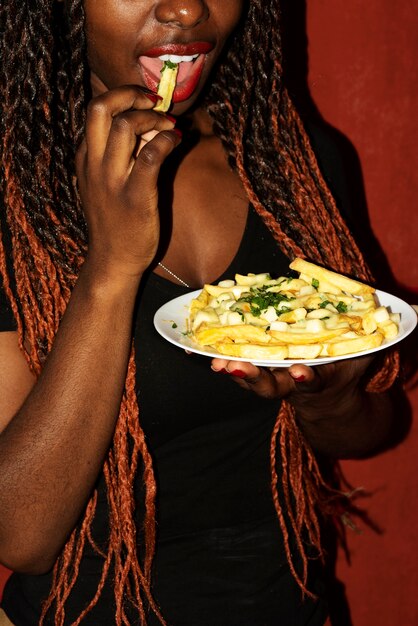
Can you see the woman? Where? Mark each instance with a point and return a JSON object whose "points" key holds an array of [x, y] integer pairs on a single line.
{"points": [[112, 514]]}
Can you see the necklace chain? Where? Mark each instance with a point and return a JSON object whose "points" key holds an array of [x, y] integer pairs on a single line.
{"points": [[174, 275]]}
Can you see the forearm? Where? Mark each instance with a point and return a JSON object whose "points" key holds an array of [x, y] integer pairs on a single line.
{"points": [[53, 449], [356, 428]]}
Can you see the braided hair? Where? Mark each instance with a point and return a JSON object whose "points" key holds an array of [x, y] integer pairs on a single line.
{"points": [[43, 102]]}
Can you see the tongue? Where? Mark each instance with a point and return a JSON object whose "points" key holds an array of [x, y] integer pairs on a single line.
{"points": [[184, 70], [154, 66]]}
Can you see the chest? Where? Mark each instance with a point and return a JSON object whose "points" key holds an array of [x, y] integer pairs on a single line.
{"points": [[204, 219]]}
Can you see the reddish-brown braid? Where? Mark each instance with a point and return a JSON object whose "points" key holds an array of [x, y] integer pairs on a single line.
{"points": [[266, 144]]}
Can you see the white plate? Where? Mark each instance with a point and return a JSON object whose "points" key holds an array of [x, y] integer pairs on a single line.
{"points": [[170, 322]]}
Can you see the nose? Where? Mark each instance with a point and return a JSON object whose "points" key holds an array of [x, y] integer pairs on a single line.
{"points": [[182, 13]]}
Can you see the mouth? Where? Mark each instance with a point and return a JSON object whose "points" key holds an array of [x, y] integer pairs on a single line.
{"points": [[190, 59]]}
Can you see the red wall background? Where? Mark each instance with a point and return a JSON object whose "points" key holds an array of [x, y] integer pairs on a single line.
{"points": [[363, 79]]}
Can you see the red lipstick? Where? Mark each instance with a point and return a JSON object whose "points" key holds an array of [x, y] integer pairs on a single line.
{"points": [[182, 49], [189, 71]]}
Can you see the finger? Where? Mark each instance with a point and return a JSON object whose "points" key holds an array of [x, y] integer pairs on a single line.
{"points": [[266, 383], [311, 380], [302, 373], [102, 109], [146, 168], [123, 137], [218, 365], [263, 382], [145, 138], [239, 369]]}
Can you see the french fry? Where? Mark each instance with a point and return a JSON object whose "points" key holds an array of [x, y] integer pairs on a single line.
{"points": [[344, 283], [253, 351], [389, 329], [199, 303], [294, 285], [216, 290], [300, 337], [323, 285], [304, 351], [251, 279], [355, 322], [166, 86], [294, 315], [349, 346], [208, 336], [369, 323]]}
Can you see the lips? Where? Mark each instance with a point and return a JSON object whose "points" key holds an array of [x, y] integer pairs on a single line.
{"points": [[189, 71]]}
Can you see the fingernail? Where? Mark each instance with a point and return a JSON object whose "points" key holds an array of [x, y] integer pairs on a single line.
{"points": [[238, 373], [178, 132], [153, 97], [299, 379], [222, 371], [171, 118]]}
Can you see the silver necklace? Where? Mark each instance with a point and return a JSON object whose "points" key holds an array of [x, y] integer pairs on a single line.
{"points": [[173, 275]]}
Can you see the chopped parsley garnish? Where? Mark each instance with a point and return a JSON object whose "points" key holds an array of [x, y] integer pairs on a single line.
{"points": [[315, 283], [341, 307], [324, 304], [260, 299], [170, 65]]}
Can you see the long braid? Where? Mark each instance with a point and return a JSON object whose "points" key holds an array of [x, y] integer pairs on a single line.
{"points": [[271, 153], [44, 219]]}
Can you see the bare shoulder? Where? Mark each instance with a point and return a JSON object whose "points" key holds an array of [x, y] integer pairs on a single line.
{"points": [[15, 376]]}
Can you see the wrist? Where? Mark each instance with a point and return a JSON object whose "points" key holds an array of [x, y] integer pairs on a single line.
{"points": [[105, 279], [331, 404], [355, 430]]}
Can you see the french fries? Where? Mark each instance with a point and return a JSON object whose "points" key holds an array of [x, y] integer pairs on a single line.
{"points": [[167, 85], [318, 314]]}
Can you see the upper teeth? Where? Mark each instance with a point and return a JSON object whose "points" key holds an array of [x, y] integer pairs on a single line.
{"points": [[175, 58]]}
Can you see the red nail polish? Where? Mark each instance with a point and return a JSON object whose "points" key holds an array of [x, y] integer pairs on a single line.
{"points": [[171, 118], [178, 132], [153, 97], [238, 373], [299, 379]]}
